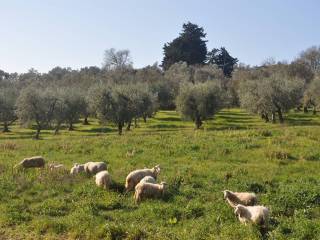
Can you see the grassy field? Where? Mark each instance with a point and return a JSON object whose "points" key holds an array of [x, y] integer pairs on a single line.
{"points": [[234, 151]]}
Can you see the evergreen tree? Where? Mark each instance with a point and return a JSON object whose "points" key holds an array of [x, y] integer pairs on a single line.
{"points": [[189, 47], [223, 59]]}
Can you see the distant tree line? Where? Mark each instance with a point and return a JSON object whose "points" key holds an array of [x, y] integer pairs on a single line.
{"points": [[195, 82]]}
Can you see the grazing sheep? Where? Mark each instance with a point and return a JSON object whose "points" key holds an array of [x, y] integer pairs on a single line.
{"points": [[33, 162], [77, 168], [94, 167], [149, 190], [148, 179], [55, 166], [243, 198], [135, 176], [256, 214], [130, 153], [103, 179]]}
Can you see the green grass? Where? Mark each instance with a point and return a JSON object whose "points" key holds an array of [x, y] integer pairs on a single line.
{"points": [[235, 151]]}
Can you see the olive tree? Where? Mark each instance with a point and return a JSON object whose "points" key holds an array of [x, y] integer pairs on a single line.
{"points": [[36, 105], [200, 101], [8, 97], [142, 102], [113, 104], [69, 107], [271, 96], [312, 95]]}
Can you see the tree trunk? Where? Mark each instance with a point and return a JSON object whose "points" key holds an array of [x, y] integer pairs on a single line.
{"points": [[280, 116], [305, 109], [5, 127], [198, 122], [71, 127], [144, 119], [56, 131], [37, 133], [273, 117], [120, 128], [135, 122], [314, 110], [266, 118], [129, 126], [85, 121]]}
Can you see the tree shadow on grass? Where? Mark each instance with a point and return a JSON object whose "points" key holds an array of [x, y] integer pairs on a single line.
{"points": [[302, 121], [221, 127], [176, 119], [99, 130], [20, 135], [171, 126]]}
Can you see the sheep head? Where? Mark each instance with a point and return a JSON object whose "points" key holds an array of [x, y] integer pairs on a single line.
{"points": [[226, 194], [239, 210], [156, 170]]}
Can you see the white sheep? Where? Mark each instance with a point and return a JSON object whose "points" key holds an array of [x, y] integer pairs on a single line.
{"points": [[55, 166], [149, 190], [94, 167], [77, 168], [135, 176], [32, 162], [243, 198], [256, 214], [103, 179], [148, 179]]}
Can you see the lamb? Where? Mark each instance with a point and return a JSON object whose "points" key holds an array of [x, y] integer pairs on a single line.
{"points": [[33, 162], [103, 179], [77, 168], [149, 190], [243, 198], [148, 179], [256, 214], [135, 176], [130, 153], [94, 167], [55, 166]]}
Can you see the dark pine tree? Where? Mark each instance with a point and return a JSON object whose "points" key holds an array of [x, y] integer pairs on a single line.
{"points": [[223, 59], [189, 47]]}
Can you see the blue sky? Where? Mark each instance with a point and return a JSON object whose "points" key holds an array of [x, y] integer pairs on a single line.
{"points": [[43, 34]]}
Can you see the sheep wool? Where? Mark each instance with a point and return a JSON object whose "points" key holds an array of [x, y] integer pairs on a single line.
{"points": [[103, 179], [256, 214], [148, 179], [77, 168], [32, 162], [135, 177], [149, 190], [243, 198], [94, 167]]}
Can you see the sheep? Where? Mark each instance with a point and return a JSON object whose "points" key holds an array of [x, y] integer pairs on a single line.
{"points": [[94, 167], [130, 153], [148, 190], [77, 168], [33, 162], [55, 166], [244, 198], [103, 179], [135, 176], [148, 179], [256, 214]]}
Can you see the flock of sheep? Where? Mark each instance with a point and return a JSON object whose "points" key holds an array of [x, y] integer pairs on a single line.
{"points": [[143, 181]]}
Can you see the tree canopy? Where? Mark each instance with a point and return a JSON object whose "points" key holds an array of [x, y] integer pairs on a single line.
{"points": [[189, 47], [223, 60]]}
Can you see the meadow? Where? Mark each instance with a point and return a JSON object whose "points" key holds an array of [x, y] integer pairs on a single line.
{"points": [[234, 150]]}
